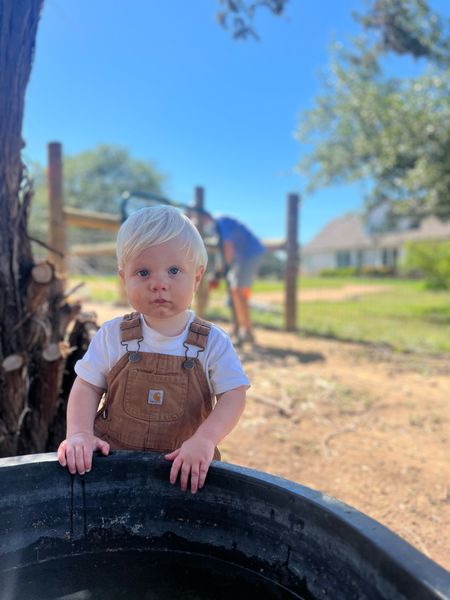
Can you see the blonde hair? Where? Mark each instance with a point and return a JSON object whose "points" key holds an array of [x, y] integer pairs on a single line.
{"points": [[155, 225]]}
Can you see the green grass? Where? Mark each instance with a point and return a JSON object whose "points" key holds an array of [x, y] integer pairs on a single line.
{"points": [[418, 322], [406, 315], [103, 288]]}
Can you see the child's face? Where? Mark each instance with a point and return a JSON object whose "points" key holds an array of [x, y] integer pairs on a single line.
{"points": [[161, 281]]}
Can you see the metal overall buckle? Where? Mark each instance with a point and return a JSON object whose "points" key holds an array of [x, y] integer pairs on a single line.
{"points": [[189, 361], [133, 355]]}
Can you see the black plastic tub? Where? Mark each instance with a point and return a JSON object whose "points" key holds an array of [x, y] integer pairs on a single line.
{"points": [[122, 531]]}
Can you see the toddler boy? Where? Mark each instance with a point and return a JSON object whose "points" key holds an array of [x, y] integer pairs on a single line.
{"points": [[172, 382]]}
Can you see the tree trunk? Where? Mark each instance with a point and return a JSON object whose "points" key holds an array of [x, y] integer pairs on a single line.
{"points": [[34, 313]]}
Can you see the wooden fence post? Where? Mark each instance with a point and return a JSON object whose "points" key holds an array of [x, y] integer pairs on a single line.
{"points": [[57, 229], [292, 263], [201, 296]]}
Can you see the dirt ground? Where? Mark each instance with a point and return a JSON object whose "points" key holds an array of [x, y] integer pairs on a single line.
{"points": [[362, 423]]}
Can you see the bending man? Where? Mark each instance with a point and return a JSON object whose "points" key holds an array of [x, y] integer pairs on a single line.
{"points": [[242, 253]]}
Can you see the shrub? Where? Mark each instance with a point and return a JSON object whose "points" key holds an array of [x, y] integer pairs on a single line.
{"points": [[368, 271], [339, 272], [377, 271], [271, 267], [432, 261]]}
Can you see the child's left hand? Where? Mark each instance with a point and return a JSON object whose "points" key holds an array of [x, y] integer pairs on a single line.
{"points": [[192, 458]]}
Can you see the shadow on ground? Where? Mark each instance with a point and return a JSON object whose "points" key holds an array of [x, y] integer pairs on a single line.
{"points": [[256, 352]]}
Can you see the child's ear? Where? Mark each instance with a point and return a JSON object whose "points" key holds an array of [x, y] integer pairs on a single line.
{"points": [[121, 273], [198, 276]]}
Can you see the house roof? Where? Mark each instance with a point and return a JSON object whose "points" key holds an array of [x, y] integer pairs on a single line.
{"points": [[349, 233]]}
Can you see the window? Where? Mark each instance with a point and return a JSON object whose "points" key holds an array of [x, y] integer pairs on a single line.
{"points": [[389, 257], [360, 259], [343, 259]]}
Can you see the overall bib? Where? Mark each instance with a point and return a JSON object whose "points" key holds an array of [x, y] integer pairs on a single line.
{"points": [[155, 401]]}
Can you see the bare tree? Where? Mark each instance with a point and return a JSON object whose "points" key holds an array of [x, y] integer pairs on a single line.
{"points": [[34, 313]]}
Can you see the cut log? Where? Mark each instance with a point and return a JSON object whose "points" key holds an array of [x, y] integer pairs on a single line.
{"points": [[13, 362], [43, 272], [52, 352], [42, 275]]}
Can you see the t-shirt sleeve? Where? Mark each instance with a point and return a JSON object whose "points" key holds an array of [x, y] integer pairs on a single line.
{"points": [[93, 367], [225, 369], [224, 226]]}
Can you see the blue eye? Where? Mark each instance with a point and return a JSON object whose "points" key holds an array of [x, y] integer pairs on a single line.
{"points": [[174, 270], [143, 273]]}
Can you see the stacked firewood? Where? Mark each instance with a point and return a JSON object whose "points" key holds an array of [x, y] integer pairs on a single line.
{"points": [[38, 379]]}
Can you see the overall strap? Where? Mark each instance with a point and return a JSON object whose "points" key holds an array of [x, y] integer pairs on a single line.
{"points": [[198, 333], [130, 327]]}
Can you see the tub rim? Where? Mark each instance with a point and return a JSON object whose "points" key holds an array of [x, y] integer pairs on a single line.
{"points": [[394, 548]]}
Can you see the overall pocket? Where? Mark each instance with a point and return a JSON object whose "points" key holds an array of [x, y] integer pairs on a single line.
{"points": [[154, 397]]}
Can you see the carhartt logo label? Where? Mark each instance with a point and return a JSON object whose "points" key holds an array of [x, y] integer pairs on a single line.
{"points": [[155, 396]]}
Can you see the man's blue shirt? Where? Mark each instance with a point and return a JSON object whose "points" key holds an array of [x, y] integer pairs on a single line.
{"points": [[245, 243]]}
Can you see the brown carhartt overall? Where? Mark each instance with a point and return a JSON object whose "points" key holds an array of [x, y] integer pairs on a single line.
{"points": [[155, 401]]}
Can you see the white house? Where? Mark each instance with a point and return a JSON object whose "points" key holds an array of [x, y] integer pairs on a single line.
{"points": [[345, 242]]}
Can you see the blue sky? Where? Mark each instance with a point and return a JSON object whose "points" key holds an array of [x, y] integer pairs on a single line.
{"points": [[164, 80]]}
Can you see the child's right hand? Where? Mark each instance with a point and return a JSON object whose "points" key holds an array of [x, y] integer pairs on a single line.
{"points": [[76, 451]]}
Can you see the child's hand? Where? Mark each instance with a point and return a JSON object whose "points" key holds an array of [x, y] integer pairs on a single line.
{"points": [[76, 452], [192, 458]]}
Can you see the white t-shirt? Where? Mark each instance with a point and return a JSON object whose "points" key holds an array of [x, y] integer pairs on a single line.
{"points": [[220, 362]]}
